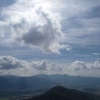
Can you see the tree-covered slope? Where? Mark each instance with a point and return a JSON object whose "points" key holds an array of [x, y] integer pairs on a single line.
{"points": [[61, 93]]}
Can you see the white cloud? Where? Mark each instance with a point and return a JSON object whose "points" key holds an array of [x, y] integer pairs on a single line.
{"points": [[34, 24], [55, 67], [40, 24], [39, 65], [95, 65], [12, 65], [78, 65], [96, 54], [8, 62]]}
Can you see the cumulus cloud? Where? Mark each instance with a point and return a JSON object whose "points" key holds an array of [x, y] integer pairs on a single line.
{"points": [[33, 24], [55, 67], [8, 62], [39, 65], [40, 24], [95, 65], [12, 65], [80, 65]]}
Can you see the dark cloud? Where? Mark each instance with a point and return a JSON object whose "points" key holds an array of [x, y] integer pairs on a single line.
{"points": [[94, 12], [41, 36]]}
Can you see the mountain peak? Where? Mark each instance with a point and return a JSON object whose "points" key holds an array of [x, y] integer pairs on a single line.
{"points": [[58, 87], [62, 93]]}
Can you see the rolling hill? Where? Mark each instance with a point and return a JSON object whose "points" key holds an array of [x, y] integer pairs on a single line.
{"points": [[61, 93]]}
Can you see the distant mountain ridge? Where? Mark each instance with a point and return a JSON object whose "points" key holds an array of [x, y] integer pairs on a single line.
{"points": [[61, 93], [38, 81]]}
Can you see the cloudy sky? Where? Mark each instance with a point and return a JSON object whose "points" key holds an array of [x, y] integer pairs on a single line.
{"points": [[50, 37]]}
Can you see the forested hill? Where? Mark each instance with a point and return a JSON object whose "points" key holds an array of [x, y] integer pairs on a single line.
{"points": [[61, 93]]}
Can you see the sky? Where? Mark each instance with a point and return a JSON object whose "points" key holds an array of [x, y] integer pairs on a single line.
{"points": [[50, 37]]}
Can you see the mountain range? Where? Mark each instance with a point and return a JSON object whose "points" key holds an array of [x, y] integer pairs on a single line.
{"points": [[40, 81], [26, 87]]}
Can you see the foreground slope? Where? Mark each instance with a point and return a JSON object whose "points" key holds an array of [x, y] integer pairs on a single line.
{"points": [[61, 93]]}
